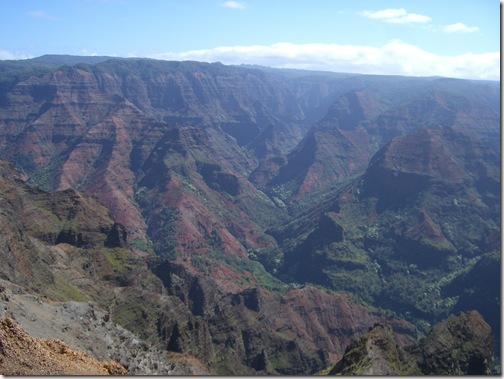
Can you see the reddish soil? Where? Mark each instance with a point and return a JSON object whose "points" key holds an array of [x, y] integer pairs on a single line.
{"points": [[21, 354]]}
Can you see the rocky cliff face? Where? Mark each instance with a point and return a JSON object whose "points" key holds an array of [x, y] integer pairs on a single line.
{"points": [[85, 327], [360, 122], [76, 252], [376, 353], [96, 127], [182, 197], [459, 345], [407, 231], [267, 332]]}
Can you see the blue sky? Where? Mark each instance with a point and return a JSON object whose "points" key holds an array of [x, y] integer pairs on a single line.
{"points": [[455, 38]]}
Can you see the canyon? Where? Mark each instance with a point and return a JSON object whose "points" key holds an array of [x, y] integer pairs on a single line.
{"points": [[243, 219]]}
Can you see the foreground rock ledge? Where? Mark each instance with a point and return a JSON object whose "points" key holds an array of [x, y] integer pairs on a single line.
{"points": [[459, 345], [21, 354]]}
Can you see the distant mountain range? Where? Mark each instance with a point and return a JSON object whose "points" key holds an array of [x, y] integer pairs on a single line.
{"points": [[256, 219]]}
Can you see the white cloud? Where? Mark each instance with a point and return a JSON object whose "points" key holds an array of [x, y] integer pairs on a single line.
{"points": [[9, 55], [396, 16], [460, 28], [394, 58], [234, 4], [41, 14]]}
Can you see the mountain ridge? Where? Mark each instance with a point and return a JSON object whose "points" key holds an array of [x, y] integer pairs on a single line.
{"points": [[464, 350], [241, 184]]}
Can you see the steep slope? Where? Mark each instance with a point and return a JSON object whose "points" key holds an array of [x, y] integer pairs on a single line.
{"points": [[257, 331], [24, 355], [64, 247], [85, 327], [376, 353], [128, 130], [423, 214], [212, 175], [123, 128], [335, 149], [102, 129], [361, 121], [459, 345]]}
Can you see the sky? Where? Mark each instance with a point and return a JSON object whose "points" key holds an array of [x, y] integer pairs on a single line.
{"points": [[452, 38]]}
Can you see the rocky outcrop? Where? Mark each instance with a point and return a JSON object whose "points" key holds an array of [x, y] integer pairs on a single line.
{"points": [[460, 345], [376, 353], [21, 354], [94, 275], [85, 327], [260, 331]]}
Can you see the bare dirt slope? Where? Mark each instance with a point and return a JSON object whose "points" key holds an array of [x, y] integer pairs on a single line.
{"points": [[82, 327], [21, 354]]}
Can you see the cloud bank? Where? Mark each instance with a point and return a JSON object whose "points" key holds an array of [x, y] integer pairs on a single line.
{"points": [[9, 55], [394, 58]]}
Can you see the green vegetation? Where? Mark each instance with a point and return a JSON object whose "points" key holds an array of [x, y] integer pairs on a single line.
{"points": [[62, 290], [136, 313], [46, 178], [161, 230], [117, 258], [140, 244], [244, 265], [202, 263], [24, 162], [280, 362]]}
